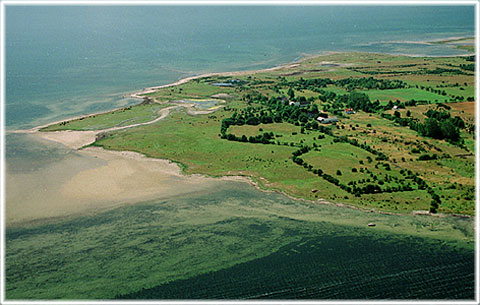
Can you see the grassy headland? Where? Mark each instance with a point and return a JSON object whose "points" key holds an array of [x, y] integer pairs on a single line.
{"points": [[409, 145]]}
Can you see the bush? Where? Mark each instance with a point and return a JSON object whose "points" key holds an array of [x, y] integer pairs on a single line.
{"points": [[425, 157]]}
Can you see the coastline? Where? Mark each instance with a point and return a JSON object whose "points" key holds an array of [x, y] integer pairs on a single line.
{"points": [[77, 140], [446, 40], [231, 73], [291, 64]]}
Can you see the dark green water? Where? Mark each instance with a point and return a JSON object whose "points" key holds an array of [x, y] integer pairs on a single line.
{"points": [[335, 266], [236, 242]]}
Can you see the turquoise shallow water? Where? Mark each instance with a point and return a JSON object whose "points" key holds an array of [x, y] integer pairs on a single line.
{"points": [[70, 60]]}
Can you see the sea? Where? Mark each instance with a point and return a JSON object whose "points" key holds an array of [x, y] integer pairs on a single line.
{"points": [[68, 60]]}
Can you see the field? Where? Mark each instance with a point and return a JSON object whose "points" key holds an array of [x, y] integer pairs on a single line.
{"points": [[388, 155]]}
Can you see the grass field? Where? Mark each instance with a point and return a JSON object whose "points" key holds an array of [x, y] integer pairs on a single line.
{"points": [[121, 117], [404, 95]]}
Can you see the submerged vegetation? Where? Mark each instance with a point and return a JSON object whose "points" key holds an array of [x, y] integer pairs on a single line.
{"points": [[232, 241]]}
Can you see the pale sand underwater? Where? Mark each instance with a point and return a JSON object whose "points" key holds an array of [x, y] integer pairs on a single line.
{"points": [[94, 180]]}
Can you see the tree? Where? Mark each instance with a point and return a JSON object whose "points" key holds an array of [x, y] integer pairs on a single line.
{"points": [[450, 131], [291, 93], [253, 121], [430, 128]]}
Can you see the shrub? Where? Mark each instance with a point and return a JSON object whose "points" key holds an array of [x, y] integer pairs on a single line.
{"points": [[425, 157]]}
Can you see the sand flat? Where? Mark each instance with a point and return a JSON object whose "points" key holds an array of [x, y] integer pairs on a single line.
{"points": [[112, 179], [71, 139]]}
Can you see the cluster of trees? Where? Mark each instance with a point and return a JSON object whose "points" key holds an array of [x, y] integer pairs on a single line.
{"points": [[445, 70], [357, 101], [249, 116], [280, 107], [436, 129], [444, 116], [438, 125], [398, 119], [430, 89], [273, 110], [264, 138], [326, 96], [364, 71], [369, 83], [350, 84], [426, 157], [307, 84], [412, 102]]}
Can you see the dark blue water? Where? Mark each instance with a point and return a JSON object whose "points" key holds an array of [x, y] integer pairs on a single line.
{"points": [[70, 60]]}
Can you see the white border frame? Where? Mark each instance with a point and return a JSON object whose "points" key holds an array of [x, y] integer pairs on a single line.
{"points": [[3, 3]]}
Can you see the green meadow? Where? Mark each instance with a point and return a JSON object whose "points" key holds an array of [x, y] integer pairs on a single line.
{"points": [[117, 118]]}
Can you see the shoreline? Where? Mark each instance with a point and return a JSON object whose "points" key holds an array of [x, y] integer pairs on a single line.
{"points": [[172, 168], [77, 140], [446, 40], [291, 64]]}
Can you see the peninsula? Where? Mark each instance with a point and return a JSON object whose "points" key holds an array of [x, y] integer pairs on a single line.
{"points": [[378, 132]]}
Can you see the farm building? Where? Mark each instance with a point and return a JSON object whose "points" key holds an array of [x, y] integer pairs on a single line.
{"points": [[327, 120]]}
